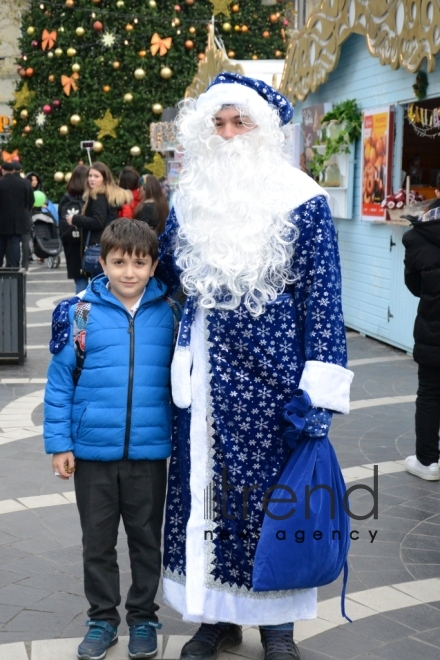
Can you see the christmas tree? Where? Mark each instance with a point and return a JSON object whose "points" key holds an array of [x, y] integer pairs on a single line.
{"points": [[103, 70]]}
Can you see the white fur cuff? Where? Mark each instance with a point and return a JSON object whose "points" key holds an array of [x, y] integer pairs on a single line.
{"points": [[328, 385], [181, 377]]}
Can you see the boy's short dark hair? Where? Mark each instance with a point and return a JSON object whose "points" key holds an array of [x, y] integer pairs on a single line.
{"points": [[129, 236]]}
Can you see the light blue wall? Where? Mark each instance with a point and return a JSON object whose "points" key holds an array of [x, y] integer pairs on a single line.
{"points": [[375, 299]]}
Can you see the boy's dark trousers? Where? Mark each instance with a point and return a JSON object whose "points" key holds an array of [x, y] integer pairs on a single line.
{"points": [[428, 415], [105, 492]]}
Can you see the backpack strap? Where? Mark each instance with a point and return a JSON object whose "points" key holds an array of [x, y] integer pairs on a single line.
{"points": [[80, 319]]}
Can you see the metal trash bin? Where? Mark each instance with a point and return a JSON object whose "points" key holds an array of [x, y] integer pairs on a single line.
{"points": [[13, 314]]}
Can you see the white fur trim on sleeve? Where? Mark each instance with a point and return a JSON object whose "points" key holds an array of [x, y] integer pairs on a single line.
{"points": [[328, 385], [181, 377]]}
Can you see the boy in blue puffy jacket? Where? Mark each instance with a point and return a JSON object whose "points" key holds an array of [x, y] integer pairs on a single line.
{"points": [[108, 420]]}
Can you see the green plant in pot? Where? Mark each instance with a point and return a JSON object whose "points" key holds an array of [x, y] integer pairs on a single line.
{"points": [[342, 125]]}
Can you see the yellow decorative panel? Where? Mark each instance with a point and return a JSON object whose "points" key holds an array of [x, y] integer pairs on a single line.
{"points": [[398, 32]]}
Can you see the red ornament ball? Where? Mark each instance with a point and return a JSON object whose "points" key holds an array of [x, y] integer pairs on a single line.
{"points": [[47, 109], [56, 103], [34, 43], [285, 22], [97, 25], [177, 8], [22, 73]]}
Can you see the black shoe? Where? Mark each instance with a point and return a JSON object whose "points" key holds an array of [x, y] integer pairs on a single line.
{"points": [[209, 640], [279, 645]]}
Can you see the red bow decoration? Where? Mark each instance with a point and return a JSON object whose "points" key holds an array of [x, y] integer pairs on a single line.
{"points": [[48, 39], [10, 157], [68, 83], [161, 45]]}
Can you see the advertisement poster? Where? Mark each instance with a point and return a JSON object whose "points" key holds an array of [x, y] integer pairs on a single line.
{"points": [[311, 129], [377, 127]]}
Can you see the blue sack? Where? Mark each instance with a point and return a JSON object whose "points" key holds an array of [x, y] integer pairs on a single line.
{"points": [[305, 536]]}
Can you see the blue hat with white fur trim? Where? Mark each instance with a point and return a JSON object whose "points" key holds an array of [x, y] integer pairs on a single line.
{"points": [[234, 89]]}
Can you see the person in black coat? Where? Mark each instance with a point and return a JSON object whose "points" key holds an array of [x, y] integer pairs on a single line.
{"points": [[422, 277], [16, 201], [71, 236], [153, 206], [102, 199]]}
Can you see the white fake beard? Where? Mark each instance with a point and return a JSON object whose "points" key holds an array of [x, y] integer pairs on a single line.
{"points": [[236, 243]]}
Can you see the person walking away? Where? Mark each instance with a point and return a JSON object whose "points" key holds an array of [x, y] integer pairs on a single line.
{"points": [[153, 207], [129, 179], [16, 201], [422, 277], [107, 419], [102, 200], [71, 236]]}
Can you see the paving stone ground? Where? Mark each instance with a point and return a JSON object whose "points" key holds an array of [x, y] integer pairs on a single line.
{"points": [[394, 582]]}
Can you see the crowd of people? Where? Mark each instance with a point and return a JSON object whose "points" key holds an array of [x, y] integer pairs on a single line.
{"points": [[92, 200]]}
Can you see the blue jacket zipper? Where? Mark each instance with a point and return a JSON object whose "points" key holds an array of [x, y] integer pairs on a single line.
{"points": [[130, 390]]}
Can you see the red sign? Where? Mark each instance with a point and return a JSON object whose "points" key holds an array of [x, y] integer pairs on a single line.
{"points": [[377, 132]]}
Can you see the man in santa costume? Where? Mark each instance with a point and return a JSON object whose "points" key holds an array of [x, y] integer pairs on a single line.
{"points": [[252, 241]]}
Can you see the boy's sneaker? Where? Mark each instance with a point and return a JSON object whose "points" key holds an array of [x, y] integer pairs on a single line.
{"points": [[143, 640], [427, 472], [279, 645], [100, 637], [210, 639]]}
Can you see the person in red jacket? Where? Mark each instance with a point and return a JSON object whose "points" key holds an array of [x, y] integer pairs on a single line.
{"points": [[129, 180]]}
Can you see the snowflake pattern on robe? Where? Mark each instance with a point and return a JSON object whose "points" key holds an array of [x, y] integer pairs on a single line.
{"points": [[254, 365]]}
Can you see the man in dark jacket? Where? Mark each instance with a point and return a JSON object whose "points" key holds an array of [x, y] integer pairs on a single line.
{"points": [[422, 277], [16, 200]]}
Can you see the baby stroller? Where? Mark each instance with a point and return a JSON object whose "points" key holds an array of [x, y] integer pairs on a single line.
{"points": [[46, 240]]}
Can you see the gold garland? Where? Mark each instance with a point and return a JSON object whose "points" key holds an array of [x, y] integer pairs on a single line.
{"points": [[401, 33]]}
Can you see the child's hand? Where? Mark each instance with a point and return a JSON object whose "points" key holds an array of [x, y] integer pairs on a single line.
{"points": [[63, 465]]}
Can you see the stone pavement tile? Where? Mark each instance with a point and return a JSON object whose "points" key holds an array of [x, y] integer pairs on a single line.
{"points": [[67, 556], [36, 546], [8, 577], [383, 599], [417, 556], [429, 637], [38, 501], [7, 538], [9, 506], [174, 646], [65, 649], [309, 628], [419, 618], [8, 554], [251, 646], [385, 522], [407, 649], [340, 644], [380, 628], [7, 612], [372, 579], [407, 513], [427, 529], [421, 542], [13, 652], [363, 548], [435, 520], [17, 594], [424, 571], [330, 610], [312, 655], [371, 563], [38, 625], [61, 603], [55, 581]]}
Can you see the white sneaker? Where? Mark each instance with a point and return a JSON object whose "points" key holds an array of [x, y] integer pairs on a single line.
{"points": [[427, 472]]}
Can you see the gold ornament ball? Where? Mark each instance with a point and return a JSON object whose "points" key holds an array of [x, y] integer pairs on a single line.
{"points": [[142, 53], [231, 53], [237, 28], [244, 28], [106, 88], [27, 129], [51, 78], [129, 27], [166, 73], [135, 151], [76, 68], [189, 2], [30, 30], [96, 2], [24, 114], [64, 130], [116, 65], [71, 52], [70, 3], [98, 147], [152, 4], [255, 57], [67, 177], [50, 54], [266, 34], [226, 27], [192, 30], [14, 122], [58, 52], [58, 176], [201, 56], [273, 18], [39, 142], [139, 74], [175, 22], [61, 29], [75, 119], [157, 108], [128, 98], [120, 4], [278, 53], [235, 8], [189, 45], [80, 31]]}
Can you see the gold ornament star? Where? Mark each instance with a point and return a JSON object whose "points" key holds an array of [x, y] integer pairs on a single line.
{"points": [[23, 96], [107, 125], [220, 7], [157, 167]]}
